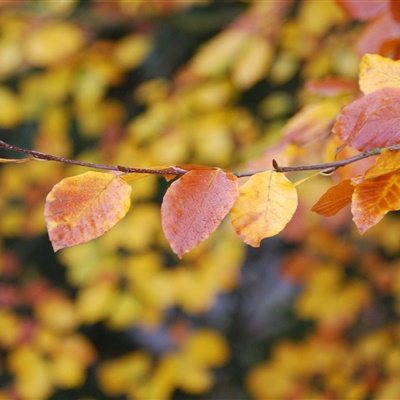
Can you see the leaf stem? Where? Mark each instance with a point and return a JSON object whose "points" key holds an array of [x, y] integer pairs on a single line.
{"points": [[173, 170]]}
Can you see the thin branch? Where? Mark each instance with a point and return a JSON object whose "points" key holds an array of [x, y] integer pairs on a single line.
{"points": [[325, 167], [49, 157]]}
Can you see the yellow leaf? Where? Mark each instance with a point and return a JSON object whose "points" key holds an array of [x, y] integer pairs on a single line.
{"points": [[126, 310], [116, 377], [31, 372], [194, 379], [11, 329], [96, 301], [227, 45], [217, 350], [52, 43], [266, 204], [10, 108], [67, 370], [84, 207], [57, 312], [253, 62], [377, 72], [132, 50]]}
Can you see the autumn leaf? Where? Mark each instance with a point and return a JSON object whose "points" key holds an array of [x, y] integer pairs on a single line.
{"points": [[378, 34], [334, 199], [386, 163], [372, 121], [84, 207], [378, 193], [266, 204], [395, 10], [364, 10], [194, 206], [373, 199], [377, 72], [312, 122]]}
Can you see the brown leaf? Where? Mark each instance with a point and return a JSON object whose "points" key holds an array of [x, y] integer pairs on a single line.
{"points": [[84, 207], [194, 206]]}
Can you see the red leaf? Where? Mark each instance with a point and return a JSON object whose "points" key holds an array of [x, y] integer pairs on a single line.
{"points": [[377, 33], [372, 121], [194, 206], [364, 10], [335, 198], [331, 86]]}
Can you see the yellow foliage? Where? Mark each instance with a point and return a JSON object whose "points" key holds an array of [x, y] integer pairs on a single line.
{"points": [[186, 368], [32, 373], [58, 8], [95, 301], [131, 51], [11, 333], [329, 300], [56, 312], [98, 81], [10, 108], [216, 353], [52, 43], [68, 371], [120, 376]]}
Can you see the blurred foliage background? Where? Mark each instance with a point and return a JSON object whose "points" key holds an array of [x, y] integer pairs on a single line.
{"points": [[313, 313]]}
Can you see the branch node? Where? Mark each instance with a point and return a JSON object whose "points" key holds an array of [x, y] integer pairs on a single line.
{"points": [[328, 171], [276, 167]]}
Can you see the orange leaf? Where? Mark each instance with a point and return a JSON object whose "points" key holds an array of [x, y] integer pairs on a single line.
{"points": [[372, 199], [395, 10], [84, 207], [377, 72], [334, 199], [371, 121], [266, 204], [386, 163], [194, 206], [377, 193]]}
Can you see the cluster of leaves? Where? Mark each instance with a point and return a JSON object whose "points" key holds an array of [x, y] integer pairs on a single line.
{"points": [[83, 81]]}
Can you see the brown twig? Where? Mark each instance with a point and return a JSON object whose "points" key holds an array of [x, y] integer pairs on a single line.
{"points": [[325, 167], [49, 157]]}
